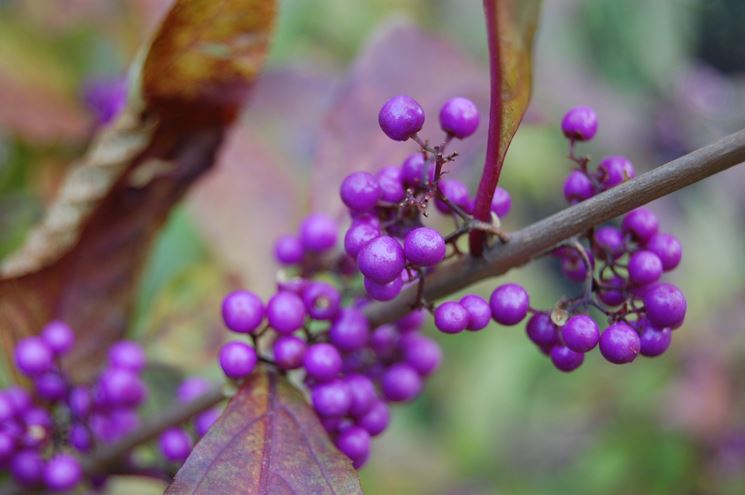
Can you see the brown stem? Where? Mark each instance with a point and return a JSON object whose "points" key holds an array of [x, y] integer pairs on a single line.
{"points": [[542, 236]]}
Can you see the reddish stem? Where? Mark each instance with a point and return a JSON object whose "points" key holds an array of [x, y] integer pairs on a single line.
{"points": [[492, 162]]}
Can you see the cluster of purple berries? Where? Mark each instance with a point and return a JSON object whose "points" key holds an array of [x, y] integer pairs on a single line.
{"points": [[316, 318], [43, 430], [621, 268]]}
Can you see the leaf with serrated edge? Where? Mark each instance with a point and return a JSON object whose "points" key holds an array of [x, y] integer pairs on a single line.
{"points": [[267, 442]]}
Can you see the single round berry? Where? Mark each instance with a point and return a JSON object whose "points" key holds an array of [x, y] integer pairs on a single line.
{"points": [[451, 317], [288, 352], [80, 402], [237, 359], [362, 393], [62, 473], [383, 340], [422, 353], [7, 411], [541, 330], [614, 170], [318, 233], [459, 117], [19, 399], [619, 343], [665, 306], [59, 337], [641, 224], [381, 260], [360, 191], [175, 444], [354, 442], [191, 388], [285, 312], [456, 192], [391, 185], [667, 247], [204, 421], [412, 321], [401, 383], [127, 354], [383, 292], [509, 304], [654, 342], [580, 333], [33, 356], [321, 300], [51, 386], [580, 124], [331, 398], [350, 330], [376, 419], [611, 291], [7, 447], [479, 311], [401, 117], [288, 250], [122, 387], [573, 265], [27, 467], [424, 247], [242, 311], [322, 361], [501, 202], [566, 359], [609, 243], [358, 235], [80, 438], [413, 171], [644, 268], [578, 187]]}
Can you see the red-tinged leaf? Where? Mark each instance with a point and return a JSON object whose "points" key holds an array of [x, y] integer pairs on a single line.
{"points": [[82, 263], [267, 442], [510, 26]]}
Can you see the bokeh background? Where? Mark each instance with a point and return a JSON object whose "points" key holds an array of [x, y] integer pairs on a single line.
{"points": [[665, 78]]}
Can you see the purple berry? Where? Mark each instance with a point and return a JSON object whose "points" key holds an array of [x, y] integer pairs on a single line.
{"points": [[127, 354], [451, 317], [7, 411], [509, 304], [51, 386], [288, 250], [578, 187], [288, 352], [242, 311], [667, 247], [358, 235], [360, 191], [381, 259], [479, 311], [237, 359], [59, 337], [331, 398], [175, 444], [383, 292], [401, 383], [318, 233], [321, 300], [665, 306], [7, 447], [609, 243], [376, 419], [413, 321], [541, 330], [619, 343], [614, 170], [354, 442], [105, 97], [62, 473], [501, 202], [285, 312], [573, 265], [401, 117], [566, 359], [80, 402], [383, 340], [191, 388], [80, 438], [654, 342], [322, 361], [350, 330], [641, 224], [33, 356], [19, 398], [612, 291], [122, 387], [644, 267], [424, 247], [422, 353], [391, 185], [580, 124], [412, 171], [456, 192], [204, 421], [27, 467], [459, 117], [580, 333], [362, 393]]}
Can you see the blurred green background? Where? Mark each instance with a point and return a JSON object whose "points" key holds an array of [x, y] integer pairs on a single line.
{"points": [[665, 78]]}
